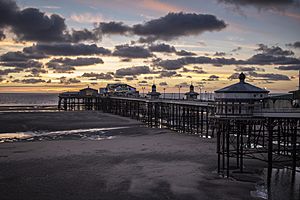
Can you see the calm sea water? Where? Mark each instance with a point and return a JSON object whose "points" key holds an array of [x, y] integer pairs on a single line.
{"points": [[18, 99], [11, 99]]}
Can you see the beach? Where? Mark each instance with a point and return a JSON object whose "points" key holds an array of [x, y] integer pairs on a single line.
{"points": [[131, 162]]}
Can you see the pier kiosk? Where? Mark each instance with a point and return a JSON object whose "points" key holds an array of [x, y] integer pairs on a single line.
{"points": [[191, 95], [154, 94]]}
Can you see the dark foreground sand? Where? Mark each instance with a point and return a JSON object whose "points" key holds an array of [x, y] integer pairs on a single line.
{"points": [[139, 163]]}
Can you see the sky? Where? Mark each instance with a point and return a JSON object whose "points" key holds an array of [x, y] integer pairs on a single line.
{"points": [[56, 46]]}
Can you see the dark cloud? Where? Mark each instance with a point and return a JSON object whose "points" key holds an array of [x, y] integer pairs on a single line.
{"points": [[262, 4], [9, 71], [83, 35], [274, 51], [132, 52], [185, 53], [2, 35], [273, 77], [220, 54], [60, 68], [79, 61], [35, 72], [125, 60], [248, 69], [164, 74], [212, 78], [175, 25], [132, 71], [31, 24], [67, 49], [23, 65], [196, 69], [257, 59], [103, 76], [294, 45], [113, 28], [21, 56], [162, 48], [29, 81], [163, 84], [289, 67], [68, 81], [236, 49], [262, 59], [260, 76]]}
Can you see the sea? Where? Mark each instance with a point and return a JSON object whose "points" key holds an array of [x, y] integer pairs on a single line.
{"points": [[51, 99]]}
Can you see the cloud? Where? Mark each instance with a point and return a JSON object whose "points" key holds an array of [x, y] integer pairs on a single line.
{"points": [[103, 76], [175, 25], [273, 77], [68, 81], [21, 56], [132, 71], [274, 51], [277, 58], [35, 72], [294, 45], [132, 52], [163, 84], [23, 64], [79, 61], [236, 49], [29, 81], [212, 78], [60, 68], [9, 71], [2, 35], [162, 48], [220, 54], [262, 4], [67, 49], [185, 53], [31, 24], [248, 69], [196, 69], [289, 67], [260, 76], [263, 59], [164, 74], [113, 28]]}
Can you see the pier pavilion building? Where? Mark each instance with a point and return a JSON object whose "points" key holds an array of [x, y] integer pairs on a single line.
{"points": [[239, 99]]}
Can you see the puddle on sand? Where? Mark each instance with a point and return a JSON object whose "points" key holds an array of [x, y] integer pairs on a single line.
{"points": [[89, 134], [282, 186]]}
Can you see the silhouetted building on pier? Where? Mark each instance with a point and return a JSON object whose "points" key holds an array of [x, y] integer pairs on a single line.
{"points": [[119, 89], [191, 95], [154, 94], [239, 99]]}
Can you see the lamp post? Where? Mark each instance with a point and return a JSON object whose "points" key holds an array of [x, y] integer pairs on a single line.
{"points": [[200, 87], [143, 88], [179, 91]]}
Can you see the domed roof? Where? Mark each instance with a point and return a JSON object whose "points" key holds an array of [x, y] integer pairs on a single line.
{"points": [[242, 87]]}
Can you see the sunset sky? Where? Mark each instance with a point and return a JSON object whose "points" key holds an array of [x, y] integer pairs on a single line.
{"points": [[55, 46]]}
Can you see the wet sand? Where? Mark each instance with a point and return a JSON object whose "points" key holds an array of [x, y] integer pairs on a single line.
{"points": [[139, 163]]}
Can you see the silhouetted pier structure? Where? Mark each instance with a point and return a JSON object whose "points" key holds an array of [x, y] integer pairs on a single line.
{"points": [[243, 128]]}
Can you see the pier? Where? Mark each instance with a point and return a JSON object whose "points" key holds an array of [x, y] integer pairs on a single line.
{"points": [[243, 127]]}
